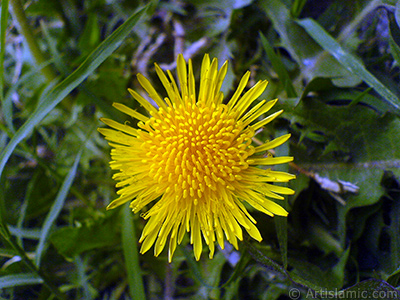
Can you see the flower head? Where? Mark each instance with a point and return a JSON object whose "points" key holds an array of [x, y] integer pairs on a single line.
{"points": [[194, 159]]}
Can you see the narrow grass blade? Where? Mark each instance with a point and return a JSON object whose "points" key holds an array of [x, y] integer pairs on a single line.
{"points": [[56, 208], [99, 55], [19, 280], [6, 107], [4, 232], [3, 30], [329, 44], [131, 252], [279, 68]]}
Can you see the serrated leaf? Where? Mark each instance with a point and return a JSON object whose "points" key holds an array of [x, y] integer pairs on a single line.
{"points": [[369, 140], [370, 289]]}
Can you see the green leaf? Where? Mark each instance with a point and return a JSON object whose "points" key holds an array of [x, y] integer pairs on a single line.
{"points": [[131, 253], [349, 96], [99, 55], [311, 58], [370, 289], [382, 233], [299, 45], [279, 68], [19, 280], [356, 132], [56, 207], [315, 85], [72, 241], [316, 278], [351, 63]]}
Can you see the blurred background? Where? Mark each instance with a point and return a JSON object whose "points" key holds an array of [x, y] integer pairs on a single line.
{"points": [[334, 65]]}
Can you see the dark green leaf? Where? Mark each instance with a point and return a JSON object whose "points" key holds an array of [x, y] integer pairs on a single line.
{"points": [[101, 233], [315, 85], [316, 278], [370, 289], [358, 131]]}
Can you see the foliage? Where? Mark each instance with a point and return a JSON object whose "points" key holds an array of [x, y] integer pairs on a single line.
{"points": [[334, 65]]}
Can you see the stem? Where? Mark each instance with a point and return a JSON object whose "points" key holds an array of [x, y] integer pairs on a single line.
{"points": [[24, 28]]}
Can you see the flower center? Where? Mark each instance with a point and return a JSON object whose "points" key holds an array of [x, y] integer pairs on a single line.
{"points": [[196, 148]]}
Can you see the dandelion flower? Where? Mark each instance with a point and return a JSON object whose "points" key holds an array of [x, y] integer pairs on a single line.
{"points": [[193, 158]]}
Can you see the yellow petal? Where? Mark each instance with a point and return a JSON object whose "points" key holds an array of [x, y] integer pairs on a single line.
{"points": [[130, 112], [145, 83], [270, 160], [273, 144]]}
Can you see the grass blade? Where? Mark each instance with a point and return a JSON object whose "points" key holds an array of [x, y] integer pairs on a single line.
{"points": [[99, 55], [3, 30], [329, 44], [131, 252], [19, 280], [56, 208]]}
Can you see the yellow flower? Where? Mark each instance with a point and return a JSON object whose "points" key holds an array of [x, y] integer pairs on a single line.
{"points": [[194, 158]]}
